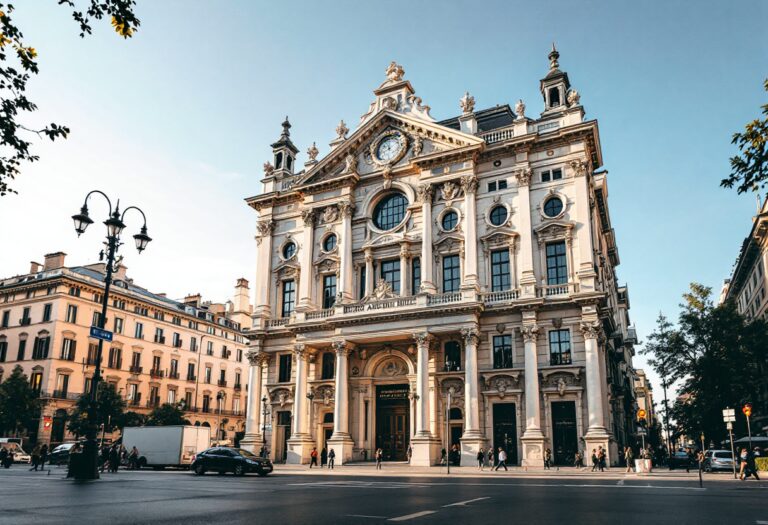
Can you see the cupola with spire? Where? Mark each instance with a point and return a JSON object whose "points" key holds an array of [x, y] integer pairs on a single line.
{"points": [[284, 152], [554, 86]]}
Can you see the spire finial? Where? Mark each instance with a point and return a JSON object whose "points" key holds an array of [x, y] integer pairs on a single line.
{"points": [[286, 127], [553, 56]]}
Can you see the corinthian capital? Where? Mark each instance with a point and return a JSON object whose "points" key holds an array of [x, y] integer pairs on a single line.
{"points": [[425, 192], [579, 167], [300, 351], [591, 329], [308, 216], [469, 183], [342, 348], [471, 336], [265, 227], [257, 357], [347, 209], [530, 333], [523, 176], [423, 339]]}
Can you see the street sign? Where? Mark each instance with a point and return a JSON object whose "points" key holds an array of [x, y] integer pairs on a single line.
{"points": [[98, 333], [729, 425], [729, 415], [641, 431]]}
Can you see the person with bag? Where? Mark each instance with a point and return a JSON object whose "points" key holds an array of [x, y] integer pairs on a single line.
{"points": [[629, 456], [313, 457], [481, 459], [379, 458]]}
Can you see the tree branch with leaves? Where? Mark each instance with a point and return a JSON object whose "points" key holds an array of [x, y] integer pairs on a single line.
{"points": [[749, 171], [19, 61]]}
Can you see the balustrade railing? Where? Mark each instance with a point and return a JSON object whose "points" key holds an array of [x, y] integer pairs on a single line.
{"points": [[498, 135], [500, 297]]}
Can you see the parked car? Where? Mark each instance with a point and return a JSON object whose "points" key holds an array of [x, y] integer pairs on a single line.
{"points": [[60, 454], [680, 459], [227, 459], [718, 460], [14, 445]]}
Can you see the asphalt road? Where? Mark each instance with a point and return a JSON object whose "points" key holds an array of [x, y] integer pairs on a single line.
{"points": [[181, 497]]}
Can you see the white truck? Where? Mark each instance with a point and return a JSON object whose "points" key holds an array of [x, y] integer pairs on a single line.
{"points": [[170, 446]]}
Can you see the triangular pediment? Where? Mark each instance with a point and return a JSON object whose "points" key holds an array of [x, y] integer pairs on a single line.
{"points": [[354, 157]]}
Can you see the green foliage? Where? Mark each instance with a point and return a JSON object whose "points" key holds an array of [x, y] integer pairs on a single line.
{"points": [[19, 403], [18, 61], [750, 169], [132, 419], [761, 463], [109, 410], [164, 415], [718, 358]]}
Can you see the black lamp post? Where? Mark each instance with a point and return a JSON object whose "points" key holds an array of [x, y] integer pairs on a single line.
{"points": [[264, 414], [115, 226], [220, 397]]}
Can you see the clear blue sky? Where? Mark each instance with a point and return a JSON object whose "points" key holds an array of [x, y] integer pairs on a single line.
{"points": [[178, 119]]}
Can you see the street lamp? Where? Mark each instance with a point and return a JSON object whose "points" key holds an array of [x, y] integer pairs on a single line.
{"points": [[220, 397], [451, 391], [264, 413], [115, 226]]}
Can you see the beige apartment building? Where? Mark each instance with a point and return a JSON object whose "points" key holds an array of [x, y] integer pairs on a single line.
{"points": [[163, 351], [428, 283]]}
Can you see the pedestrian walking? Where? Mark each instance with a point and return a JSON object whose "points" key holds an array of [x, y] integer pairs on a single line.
{"points": [[601, 458], [4, 454], [480, 458], [35, 459], [629, 457], [313, 457], [323, 457], [502, 460], [409, 454], [594, 460], [331, 459], [442, 457], [691, 459], [548, 459], [133, 458], [43, 455], [114, 458], [490, 460], [379, 457]]}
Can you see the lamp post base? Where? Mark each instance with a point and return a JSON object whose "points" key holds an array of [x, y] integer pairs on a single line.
{"points": [[86, 466]]}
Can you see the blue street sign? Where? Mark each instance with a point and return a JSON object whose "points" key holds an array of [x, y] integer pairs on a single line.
{"points": [[98, 333]]}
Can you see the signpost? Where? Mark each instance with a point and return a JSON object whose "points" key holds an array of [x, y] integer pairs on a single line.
{"points": [[100, 333], [641, 414], [747, 409], [729, 416]]}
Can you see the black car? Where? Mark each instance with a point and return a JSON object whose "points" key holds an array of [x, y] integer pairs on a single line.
{"points": [[227, 459], [60, 454], [680, 459]]}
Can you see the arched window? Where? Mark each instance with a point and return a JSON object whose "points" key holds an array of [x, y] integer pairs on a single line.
{"points": [[328, 417], [452, 356], [329, 365], [288, 162], [390, 211], [278, 161], [456, 414], [554, 97]]}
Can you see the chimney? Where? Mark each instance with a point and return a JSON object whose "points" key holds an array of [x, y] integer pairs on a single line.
{"points": [[34, 267], [54, 260], [241, 296], [120, 273], [193, 300]]}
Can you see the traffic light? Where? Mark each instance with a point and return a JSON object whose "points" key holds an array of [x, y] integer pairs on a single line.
{"points": [[641, 414], [747, 409]]}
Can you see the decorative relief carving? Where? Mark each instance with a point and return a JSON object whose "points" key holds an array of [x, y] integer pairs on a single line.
{"points": [[281, 395], [573, 97], [330, 214], [350, 164], [457, 398], [395, 72], [383, 290], [325, 394], [470, 336], [312, 153], [523, 176], [342, 348], [418, 145], [591, 329], [532, 451], [308, 216], [423, 338], [268, 169], [469, 183], [392, 368], [257, 358], [265, 228], [503, 384], [347, 209], [579, 167], [342, 130], [424, 192], [449, 190], [530, 333]]}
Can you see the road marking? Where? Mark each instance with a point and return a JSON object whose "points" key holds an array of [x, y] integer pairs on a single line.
{"points": [[620, 482], [414, 515], [464, 503], [362, 484], [758, 522], [364, 516]]}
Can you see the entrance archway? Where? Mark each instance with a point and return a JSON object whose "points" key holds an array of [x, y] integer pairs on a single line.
{"points": [[392, 423]]}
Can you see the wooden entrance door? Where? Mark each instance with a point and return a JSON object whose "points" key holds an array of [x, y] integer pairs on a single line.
{"points": [[393, 434]]}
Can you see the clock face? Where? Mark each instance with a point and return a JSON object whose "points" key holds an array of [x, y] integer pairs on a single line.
{"points": [[388, 148]]}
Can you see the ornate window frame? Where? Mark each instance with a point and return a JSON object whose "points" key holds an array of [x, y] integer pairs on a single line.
{"points": [[443, 213], [324, 237], [375, 197], [280, 250], [550, 194], [487, 215]]}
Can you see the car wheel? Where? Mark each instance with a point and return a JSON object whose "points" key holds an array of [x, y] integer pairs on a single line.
{"points": [[239, 470], [261, 473], [707, 468], [199, 470]]}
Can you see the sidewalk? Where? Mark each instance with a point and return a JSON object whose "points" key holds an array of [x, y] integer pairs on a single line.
{"points": [[403, 469]]}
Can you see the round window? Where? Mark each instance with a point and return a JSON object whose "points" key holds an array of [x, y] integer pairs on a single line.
{"points": [[450, 220], [498, 215], [289, 250], [553, 206], [390, 211], [329, 243]]}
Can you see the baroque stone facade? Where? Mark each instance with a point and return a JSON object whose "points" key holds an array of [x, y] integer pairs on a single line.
{"points": [[472, 256]]}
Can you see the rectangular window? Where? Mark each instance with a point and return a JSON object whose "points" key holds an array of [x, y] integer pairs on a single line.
{"points": [[97, 297], [557, 174], [3, 350], [559, 347], [74, 291], [191, 372], [47, 312], [25, 319], [222, 377], [133, 393], [96, 319], [503, 184], [390, 272], [71, 313], [87, 385], [209, 350], [208, 372], [172, 397], [550, 175], [118, 325], [136, 362], [284, 370], [362, 281], [206, 403], [188, 400], [62, 386], [492, 186], [329, 290], [289, 297], [68, 348], [93, 353], [138, 332], [415, 275], [239, 355], [40, 350], [502, 351], [451, 273], [237, 379], [22, 349], [6, 319], [500, 277], [176, 340], [174, 370], [36, 381], [159, 337], [557, 264], [193, 344], [115, 358], [236, 405], [156, 364]]}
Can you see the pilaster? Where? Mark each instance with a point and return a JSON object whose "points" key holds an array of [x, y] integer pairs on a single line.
{"points": [[425, 192], [527, 276], [305, 280], [532, 439]]}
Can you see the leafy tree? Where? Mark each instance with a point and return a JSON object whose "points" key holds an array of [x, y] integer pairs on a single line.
{"points": [[717, 356], [19, 403], [18, 61], [109, 410], [132, 419], [750, 169], [166, 414]]}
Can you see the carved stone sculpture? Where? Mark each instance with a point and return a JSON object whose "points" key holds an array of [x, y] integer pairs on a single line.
{"points": [[520, 109], [467, 103]]}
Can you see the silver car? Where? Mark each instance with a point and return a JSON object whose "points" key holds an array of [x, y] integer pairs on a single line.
{"points": [[718, 460]]}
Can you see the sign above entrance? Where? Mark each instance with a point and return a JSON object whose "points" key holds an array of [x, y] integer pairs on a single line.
{"points": [[392, 392]]}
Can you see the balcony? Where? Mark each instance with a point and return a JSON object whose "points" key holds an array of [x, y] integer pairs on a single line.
{"points": [[498, 135], [60, 394], [156, 373], [25, 321], [557, 290], [222, 382], [160, 339], [501, 297], [191, 378], [135, 369], [173, 375], [237, 386]]}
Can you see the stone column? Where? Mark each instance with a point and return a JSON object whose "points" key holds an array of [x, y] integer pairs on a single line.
{"points": [[306, 277], [341, 441], [597, 435], [347, 289], [472, 439], [264, 229], [405, 273], [369, 272], [425, 193], [469, 184], [425, 446], [533, 438], [253, 439], [300, 443], [527, 276]]}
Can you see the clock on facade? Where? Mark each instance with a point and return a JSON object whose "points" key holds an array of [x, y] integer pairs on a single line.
{"points": [[389, 148]]}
